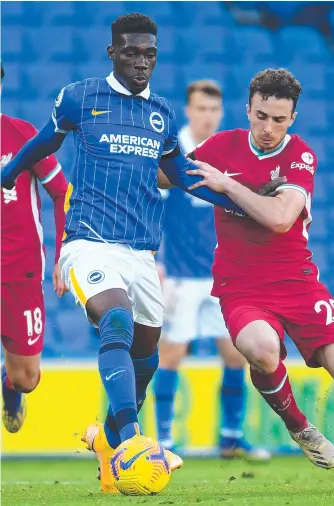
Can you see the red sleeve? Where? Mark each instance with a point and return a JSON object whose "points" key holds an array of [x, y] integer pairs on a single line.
{"points": [[215, 150], [302, 165], [56, 188]]}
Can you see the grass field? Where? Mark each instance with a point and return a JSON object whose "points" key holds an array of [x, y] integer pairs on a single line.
{"points": [[284, 481]]}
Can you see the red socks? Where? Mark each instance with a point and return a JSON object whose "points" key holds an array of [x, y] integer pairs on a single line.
{"points": [[275, 388]]}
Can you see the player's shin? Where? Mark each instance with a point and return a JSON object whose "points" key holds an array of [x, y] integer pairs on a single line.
{"points": [[165, 387], [275, 388], [116, 369], [233, 402], [144, 370]]}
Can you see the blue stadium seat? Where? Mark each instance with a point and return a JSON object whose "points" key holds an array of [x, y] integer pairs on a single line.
{"points": [[17, 13], [319, 226], [50, 297], [47, 84], [322, 189], [212, 44], [164, 79], [11, 107], [12, 81], [12, 13], [91, 69], [312, 117], [107, 12], [38, 116], [305, 44], [94, 42], [320, 257], [214, 13], [318, 145], [162, 12], [253, 44], [195, 71], [312, 77], [167, 45]]}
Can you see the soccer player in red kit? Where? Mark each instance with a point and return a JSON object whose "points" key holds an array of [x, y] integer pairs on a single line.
{"points": [[22, 268], [263, 271]]}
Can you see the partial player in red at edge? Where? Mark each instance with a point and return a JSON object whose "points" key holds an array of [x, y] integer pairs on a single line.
{"points": [[263, 270], [22, 268]]}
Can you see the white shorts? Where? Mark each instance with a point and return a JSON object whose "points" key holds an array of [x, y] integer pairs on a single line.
{"points": [[89, 268], [190, 311]]}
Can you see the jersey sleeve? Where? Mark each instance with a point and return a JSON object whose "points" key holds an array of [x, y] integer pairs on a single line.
{"points": [[204, 151], [302, 165], [47, 169], [65, 112], [172, 135]]}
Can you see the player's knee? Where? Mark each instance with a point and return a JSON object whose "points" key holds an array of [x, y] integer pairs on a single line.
{"points": [[116, 328], [26, 381], [265, 357]]}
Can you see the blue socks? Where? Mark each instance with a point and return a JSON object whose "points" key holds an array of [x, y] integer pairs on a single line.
{"points": [[116, 369], [233, 402], [144, 369], [11, 398], [165, 386]]}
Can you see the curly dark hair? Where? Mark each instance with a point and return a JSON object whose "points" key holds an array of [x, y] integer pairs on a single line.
{"points": [[278, 83], [132, 23]]}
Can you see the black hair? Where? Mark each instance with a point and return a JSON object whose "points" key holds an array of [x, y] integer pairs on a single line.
{"points": [[132, 23], [2, 72], [278, 83]]}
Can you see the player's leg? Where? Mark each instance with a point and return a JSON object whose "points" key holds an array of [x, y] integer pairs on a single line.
{"points": [[22, 327], [111, 310], [325, 357], [165, 387], [259, 342], [98, 275], [181, 308], [145, 359]]}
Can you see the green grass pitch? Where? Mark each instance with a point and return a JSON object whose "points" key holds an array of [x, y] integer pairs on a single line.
{"points": [[284, 481]]}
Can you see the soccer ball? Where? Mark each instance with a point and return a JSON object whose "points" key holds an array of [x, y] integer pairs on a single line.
{"points": [[140, 467]]}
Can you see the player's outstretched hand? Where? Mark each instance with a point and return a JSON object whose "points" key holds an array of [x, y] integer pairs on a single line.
{"points": [[212, 177], [58, 285], [270, 189]]}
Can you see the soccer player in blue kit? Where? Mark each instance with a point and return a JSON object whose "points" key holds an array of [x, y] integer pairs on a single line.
{"points": [[122, 134]]}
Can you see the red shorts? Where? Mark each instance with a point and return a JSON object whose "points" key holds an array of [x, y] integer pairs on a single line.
{"points": [[302, 309], [22, 317]]}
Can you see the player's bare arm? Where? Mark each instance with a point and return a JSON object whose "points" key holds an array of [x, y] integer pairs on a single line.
{"points": [[278, 213], [163, 181]]}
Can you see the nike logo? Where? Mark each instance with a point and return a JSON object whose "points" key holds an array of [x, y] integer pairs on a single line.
{"points": [[114, 374], [33, 341], [128, 463], [226, 173], [96, 113]]}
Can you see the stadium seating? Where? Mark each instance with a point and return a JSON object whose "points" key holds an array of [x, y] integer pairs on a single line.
{"points": [[45, 49]]}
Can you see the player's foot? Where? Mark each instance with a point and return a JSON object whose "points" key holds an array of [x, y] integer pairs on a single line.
{"points": [[240, 448], [14, 409], [96, 441], [175, 462], [316, 447]]}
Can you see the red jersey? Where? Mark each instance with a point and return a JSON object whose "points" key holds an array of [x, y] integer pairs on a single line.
{"points": [[22, 251], [247, 253]]}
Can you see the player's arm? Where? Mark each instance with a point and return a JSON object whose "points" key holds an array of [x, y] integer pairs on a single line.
{"points": [[277, 214], [51, 176], [176, 166], [46, 142], [163, 181]]}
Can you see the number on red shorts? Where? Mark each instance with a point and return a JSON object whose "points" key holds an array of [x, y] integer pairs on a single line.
{"points": [[329, 306], [34, 321]]}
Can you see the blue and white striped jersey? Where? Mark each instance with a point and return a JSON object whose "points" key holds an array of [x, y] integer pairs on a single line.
{"points": [[119, 139], [189, 228]]}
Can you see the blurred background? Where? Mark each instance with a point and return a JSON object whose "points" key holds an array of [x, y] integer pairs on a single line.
{"points": [[45, 46]]}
